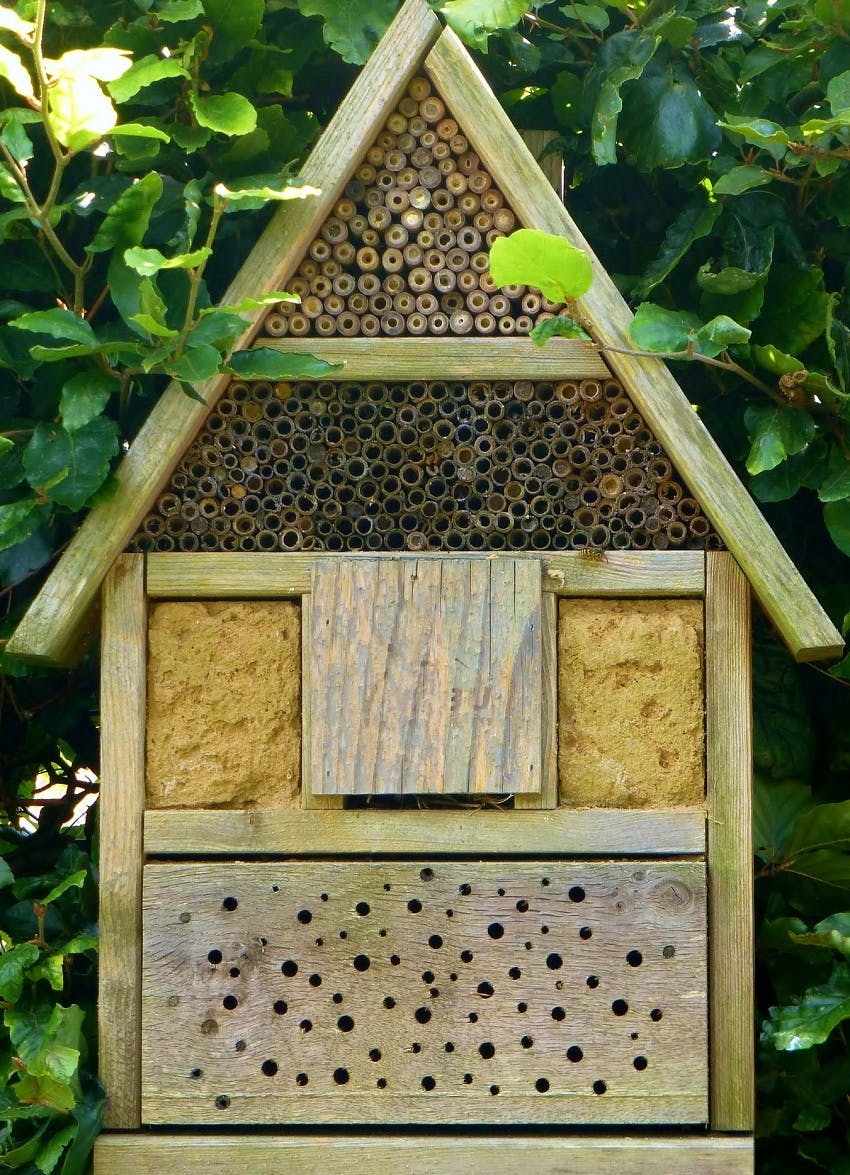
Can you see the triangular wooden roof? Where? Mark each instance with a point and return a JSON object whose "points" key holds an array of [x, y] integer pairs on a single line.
{"points": [[416, 41]]}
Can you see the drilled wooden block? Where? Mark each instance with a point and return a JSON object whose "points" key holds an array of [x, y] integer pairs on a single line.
{"points": [[456, 991], [425, 676]]}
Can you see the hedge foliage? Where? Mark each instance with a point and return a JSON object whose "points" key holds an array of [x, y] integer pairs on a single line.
{"points": [[707, 152]]}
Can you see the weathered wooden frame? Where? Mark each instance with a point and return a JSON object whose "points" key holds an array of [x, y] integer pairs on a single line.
{"points": [[363, 1154]]}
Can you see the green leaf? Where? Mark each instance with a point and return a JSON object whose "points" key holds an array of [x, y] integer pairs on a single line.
{"points": [[47, 1039], [657, 329], [150, 261], [9, 19], [51, 970], [833, 933], [153, 326], [776, 807], [229, 114], [17, 140], [247, 198], [783, 482], [835, 484], [666, 122], [255, 303], [234, 23], [550, 263], [175, 11], [838, 344], [87, 1114], [84, 396], [72, 881], [795, 307], [144, 73], [59, 324], [14, 71], [196, 365], [6, 874], [809, 1022], [79, 111], [218, 328], [18, 520], [822, 827], [47, 1092], [126, 222], [104, 63], [557, 325], [23, 1155], [776, 432], [13, 964], [352, 28], [761, 132], [51, 1152], [140, 130], [836, 515], [475, 20], [268, 363], [696, 220], [838, 93], [621, 58], [70, 467], [741, 179], [718, 334]]}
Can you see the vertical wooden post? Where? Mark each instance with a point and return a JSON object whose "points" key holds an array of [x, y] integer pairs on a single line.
{"points": [[122, 805], [547, 797], [308, 798], [728, 694], [552, 165]]}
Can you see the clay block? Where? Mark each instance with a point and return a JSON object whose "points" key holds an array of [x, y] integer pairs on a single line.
{"points": [[224, 705], [631, 703]]}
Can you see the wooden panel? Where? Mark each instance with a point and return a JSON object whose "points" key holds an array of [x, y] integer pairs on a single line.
{"points": [[425, 676], [364, 1154], [47, 632], [592, 832], [122, 804], [450, 358], [309, 799], [389, 991], [547, 797], [232, 576], [625, 573], [805, 626], [728, 674]]}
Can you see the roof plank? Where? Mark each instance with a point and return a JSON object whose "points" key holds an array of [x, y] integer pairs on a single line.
{"points": [[778, 585]]}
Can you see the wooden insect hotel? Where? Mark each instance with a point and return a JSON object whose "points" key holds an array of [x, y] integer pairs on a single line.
{"points": [[426, 704]]}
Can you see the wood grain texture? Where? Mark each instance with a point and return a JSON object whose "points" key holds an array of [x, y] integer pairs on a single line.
{"points": [[451, 358], [728, 680], [364, 1154], [547, 797], [625, 573], [122, 804], [309, 799], [47, 631], [804, 625], [239, 576], [594, 832], [345, 981], [551, 163], [425, 676]]}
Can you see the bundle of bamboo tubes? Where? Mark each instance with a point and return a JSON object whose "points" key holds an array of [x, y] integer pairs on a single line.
{"points": [[405, 251], [436, 466]]}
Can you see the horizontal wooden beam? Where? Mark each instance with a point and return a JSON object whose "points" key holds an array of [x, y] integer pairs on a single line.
{"points": [[805, 627], [364, 1154], [453, 830], [241, 576], [451, 358]]}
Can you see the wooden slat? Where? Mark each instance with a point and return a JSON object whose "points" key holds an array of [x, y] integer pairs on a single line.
{"points": [[593, 832], [425, 676], [421, 953], [310, 800], [122, 803], [552, 163], [728, 679], [547, 797], [47, 632], [440, 1154], [239, 576], [778, 585], [625, 573], [451, 358]]}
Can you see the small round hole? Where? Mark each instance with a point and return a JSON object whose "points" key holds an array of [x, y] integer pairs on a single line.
{"points": [[522, 906], [304, 917], [465, 889], [466, 956], [576, 894], [301, 1078], [473, 1017], [427, 976], [196, 1073], [387, 886], [485, 990], [515, 973], [416, 1047], [449, 1047], [269, 1068], [554, 962], [229, 904], [656, 1014], [426, 874], [640, 1063], [389, 1002], [494, 1090], [522, 1007], [395, 960], [337, 997], [585, 933], [289, 968], [619, 1007], [467, 1079], [362, 908], [222, 1101], [450, 913], [544, 881], [323, 896], [527, 1042], [599, 1087], [214, 957], [428, 1083], [306, 1025], [341, 1076], [422, 1015], [235, 972], [345, 1024], [544, 929], [240, 1046], [435, 942], [343, 934], [381, 1083], [361, 963], [574, 1053], [374, 1054], [634, 958], [496, 930], [668, 952], [230, 1002], [487, 1050], [414, 905], [315, 981], [592, 981], [558, 1014], [541, 1085], [280, 1006]]}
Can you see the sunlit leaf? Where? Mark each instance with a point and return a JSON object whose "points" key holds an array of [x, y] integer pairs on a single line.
{"points": [[833, 933], [84, 396], [267, 363], [14, 71], [230, 114], [550, 263], [657, 329], [10, 20], [79, 111], [127, 220], [104, 64], [60, 324], [560, 325], [13, 964], [741, 179], [150, 261], [143, 73], [196, 365], [18, 520], [475, 20], [141, 130], [352, 28], [47, 1039], [809, 1022]]}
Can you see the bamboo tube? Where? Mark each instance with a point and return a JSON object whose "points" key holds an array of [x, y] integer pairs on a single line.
{"points": [[426, 303], [420, 279], [407, 178], [369, 283], [412, 219], [419, 88]]}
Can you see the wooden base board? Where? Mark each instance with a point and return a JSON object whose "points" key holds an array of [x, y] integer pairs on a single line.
{"points": [[364, 1154]]}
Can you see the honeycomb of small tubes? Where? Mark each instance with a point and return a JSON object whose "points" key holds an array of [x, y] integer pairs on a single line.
{"points": [[405, 251], [437, 466]]}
